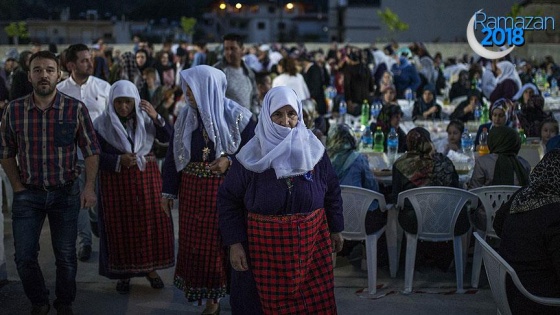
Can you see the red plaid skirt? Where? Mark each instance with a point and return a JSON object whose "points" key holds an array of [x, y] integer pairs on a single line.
{"points": [[139, 235], [292, 263], [200, 270]]}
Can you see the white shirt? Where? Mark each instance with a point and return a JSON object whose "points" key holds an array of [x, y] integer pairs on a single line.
{"points": [[94, 93], [296, 83]]}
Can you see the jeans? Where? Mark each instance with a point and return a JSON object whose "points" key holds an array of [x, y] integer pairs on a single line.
{"points": [[28, 214]]}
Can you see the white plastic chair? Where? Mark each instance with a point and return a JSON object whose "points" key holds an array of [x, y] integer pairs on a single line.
{"points": [[356, 202], [492, 198], [437, 209], [496, 270]]}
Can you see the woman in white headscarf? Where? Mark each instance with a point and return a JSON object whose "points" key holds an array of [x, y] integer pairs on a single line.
{"points": [[136, 235], [280, 213], [207, 133], [507, 82]]}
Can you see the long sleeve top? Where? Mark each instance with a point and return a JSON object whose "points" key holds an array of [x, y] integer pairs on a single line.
{"points": [[109, 158], [244, 191], [171, 178]]}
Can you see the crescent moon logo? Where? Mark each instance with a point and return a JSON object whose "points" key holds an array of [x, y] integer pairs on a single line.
{"points": [[478, 48]]}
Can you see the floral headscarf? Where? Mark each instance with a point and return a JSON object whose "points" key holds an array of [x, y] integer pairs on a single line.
{"points": [[422, 165]]}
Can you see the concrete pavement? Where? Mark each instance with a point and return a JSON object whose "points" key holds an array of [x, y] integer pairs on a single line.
{"points": [[97, 295]]}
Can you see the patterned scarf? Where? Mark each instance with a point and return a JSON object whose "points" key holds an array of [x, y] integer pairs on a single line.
{"points": [[422, 165], [341, 148], [544, 185]]}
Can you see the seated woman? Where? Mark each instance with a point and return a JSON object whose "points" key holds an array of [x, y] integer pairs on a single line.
{"points": [[422, 166], [501, 113], [352, 168], [460, 87], [425, 106], [501, 167], [525, 93], [528, 226], [389, 96], [532, 115], [507, 82], [454, 130], [385, 83], [465, 110], [549, 130], [390, 117]]}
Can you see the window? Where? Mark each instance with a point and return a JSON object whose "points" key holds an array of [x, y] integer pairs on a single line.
{"points": [[261, 25], [282, 26]]}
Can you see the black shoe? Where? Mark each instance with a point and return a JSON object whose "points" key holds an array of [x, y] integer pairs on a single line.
{"points": [[63, 309], [84, 254], [40, 309], [123, 286], [94, 228]]}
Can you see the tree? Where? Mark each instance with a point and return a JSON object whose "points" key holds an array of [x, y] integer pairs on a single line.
{"points": [[17, 30], [188, 24], [392, 21]]}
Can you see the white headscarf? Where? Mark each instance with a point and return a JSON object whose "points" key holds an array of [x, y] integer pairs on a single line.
{"points": [[508, 72], [223, 119], [109, 126], [289, 151], [526, 86]]}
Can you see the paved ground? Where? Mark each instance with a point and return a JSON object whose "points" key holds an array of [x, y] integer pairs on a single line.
{"points": [[97, 295]]}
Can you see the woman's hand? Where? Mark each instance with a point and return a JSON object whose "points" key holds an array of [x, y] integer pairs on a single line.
{"points": [[219, 166], [167, 205], [337, 242], [128, 160], [430, 111], [238, 258], [148, 108]]}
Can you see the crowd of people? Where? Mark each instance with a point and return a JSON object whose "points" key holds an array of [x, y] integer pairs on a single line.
{"points": [[246, 139]]}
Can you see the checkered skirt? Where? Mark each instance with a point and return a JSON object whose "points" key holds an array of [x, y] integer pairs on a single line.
{"points": [[139, 235], [201, 261], [292, 263]]}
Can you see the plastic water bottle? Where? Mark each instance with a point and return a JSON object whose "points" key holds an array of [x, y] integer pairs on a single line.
{"points": [[483, 145], [378, 139], [408, 95], [522, 135], [375, 109], [554, 87], [342, 111], [392, 145], [467, 142], [477, 113], [364, 118], [367, 139]]}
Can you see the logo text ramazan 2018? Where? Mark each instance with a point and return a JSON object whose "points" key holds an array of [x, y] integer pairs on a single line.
{"points": [[503, 30]]}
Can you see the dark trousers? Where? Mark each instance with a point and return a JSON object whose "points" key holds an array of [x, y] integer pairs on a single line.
{"points": [[30, 207]]}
